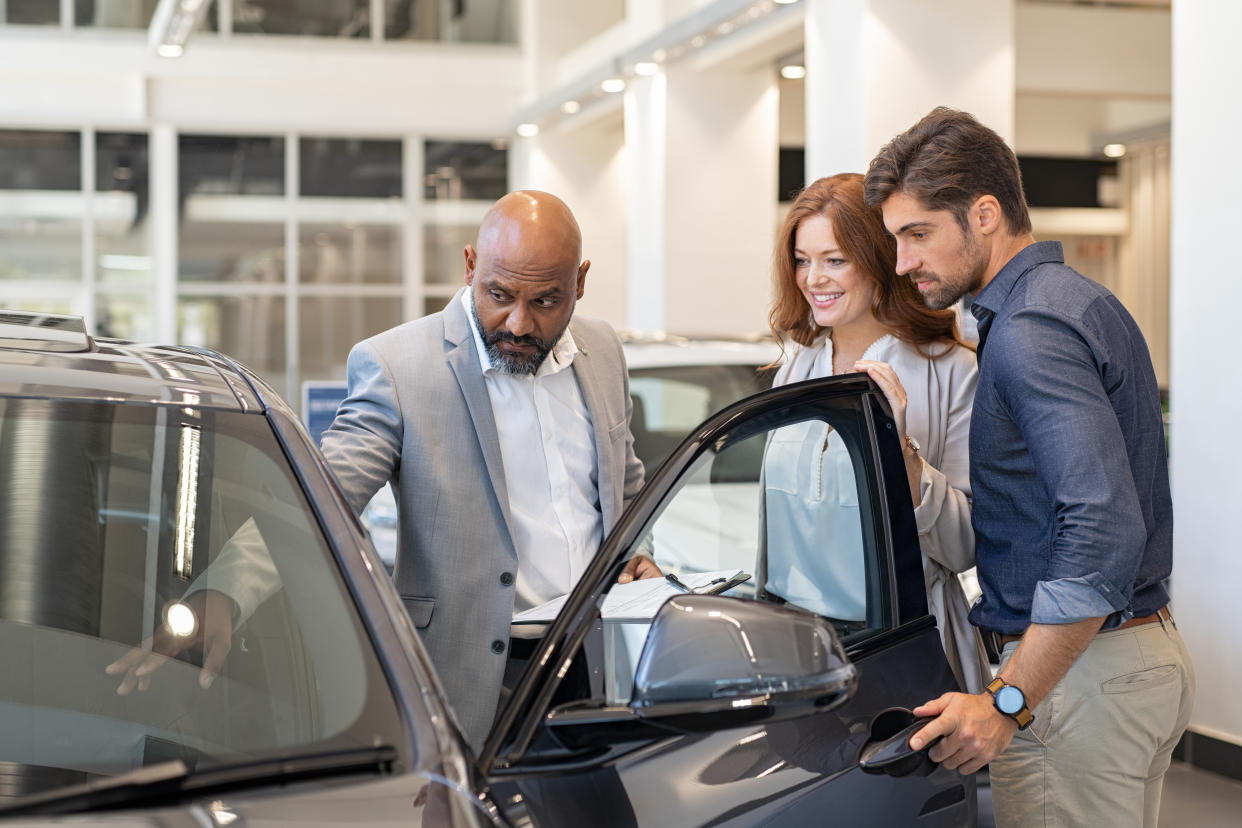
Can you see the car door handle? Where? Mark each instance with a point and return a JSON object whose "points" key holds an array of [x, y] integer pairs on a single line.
{"points": [[887, 749]]}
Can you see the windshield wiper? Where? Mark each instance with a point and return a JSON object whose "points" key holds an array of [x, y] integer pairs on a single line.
{"points": [[171, 782]]}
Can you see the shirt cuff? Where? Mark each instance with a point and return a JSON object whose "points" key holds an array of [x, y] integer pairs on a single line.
{"points": [[1067, 600]]}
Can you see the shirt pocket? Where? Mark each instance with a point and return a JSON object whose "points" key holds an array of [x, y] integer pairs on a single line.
{"points": [[810, 462]]}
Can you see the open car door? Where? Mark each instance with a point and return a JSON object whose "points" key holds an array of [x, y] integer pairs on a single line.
{"points": [[783, 699]]}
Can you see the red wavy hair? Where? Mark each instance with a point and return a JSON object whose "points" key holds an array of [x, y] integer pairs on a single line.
{"points": [[860, 233]]}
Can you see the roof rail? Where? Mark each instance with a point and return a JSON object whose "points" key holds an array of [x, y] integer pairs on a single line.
{"points": [[29, 331]]}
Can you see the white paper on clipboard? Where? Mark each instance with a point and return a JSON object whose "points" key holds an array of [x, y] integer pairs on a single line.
{"points": [[636, 600]]}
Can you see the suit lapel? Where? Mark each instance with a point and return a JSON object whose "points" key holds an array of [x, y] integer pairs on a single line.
{"points": [[463, 361], [593, 396]]}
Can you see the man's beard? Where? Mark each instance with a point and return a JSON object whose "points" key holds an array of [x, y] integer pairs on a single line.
{"points": [[946, 290], [508, 363]]}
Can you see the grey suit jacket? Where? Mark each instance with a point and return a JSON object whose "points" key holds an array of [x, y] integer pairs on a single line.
{"points": [[418, 414]]}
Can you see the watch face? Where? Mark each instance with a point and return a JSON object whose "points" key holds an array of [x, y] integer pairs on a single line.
{"points": [[1009, 700]]}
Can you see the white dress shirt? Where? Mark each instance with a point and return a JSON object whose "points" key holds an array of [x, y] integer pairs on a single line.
{"points": [[547, 449]]}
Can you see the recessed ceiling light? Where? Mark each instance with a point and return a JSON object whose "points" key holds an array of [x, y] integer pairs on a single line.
{"points": [[698, 41], [646, 68], [793, 71], [613, 85], [784, 2], [527, 130], [571, 107], [1114, 150]]}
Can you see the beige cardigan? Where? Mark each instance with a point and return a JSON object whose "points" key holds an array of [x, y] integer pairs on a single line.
{"points": [[939, 396]]}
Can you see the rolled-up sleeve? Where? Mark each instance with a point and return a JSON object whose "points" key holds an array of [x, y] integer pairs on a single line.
{"points": [[1054, 390]]}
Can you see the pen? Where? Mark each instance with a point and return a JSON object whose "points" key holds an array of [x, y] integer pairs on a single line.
{"points": [[675, 581]]}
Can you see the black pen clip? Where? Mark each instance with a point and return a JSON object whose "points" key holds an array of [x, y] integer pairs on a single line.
{"points": [[675, 581]]}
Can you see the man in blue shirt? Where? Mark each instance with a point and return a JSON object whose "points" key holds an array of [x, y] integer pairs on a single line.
{"points": [[1072, 513]]}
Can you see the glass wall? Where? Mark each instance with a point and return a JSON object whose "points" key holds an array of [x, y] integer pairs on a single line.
{"points": [[289, 248], [454, 21]]}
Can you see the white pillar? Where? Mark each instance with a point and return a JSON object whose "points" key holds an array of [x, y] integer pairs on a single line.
{"points": [[646, 141], [1205, 394], [702, 149], [874, 67], [165, 218]]}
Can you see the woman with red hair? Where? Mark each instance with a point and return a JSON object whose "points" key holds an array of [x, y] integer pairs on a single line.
{"points": [[840, 307]]}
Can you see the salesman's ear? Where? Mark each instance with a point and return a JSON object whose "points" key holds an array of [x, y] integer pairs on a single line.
{"points": [[471, 258], [582, 271]]}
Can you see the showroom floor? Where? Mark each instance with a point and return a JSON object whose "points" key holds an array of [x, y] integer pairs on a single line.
{"points": [[1191, 797]]}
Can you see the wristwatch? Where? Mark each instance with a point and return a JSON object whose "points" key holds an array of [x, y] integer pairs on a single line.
{"points": [[1011, 701], [913, 445]]}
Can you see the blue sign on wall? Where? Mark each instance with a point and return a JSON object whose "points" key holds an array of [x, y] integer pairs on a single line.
{"points": [[319, 403]]}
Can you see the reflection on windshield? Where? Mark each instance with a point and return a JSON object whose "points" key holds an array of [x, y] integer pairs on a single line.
{"points": [[116, 537]]}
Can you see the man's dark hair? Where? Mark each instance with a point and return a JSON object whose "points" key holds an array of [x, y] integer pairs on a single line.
{"points": [[947, 160]]}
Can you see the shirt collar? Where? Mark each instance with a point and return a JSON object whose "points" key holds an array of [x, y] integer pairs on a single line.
{"points": [[559, 358], [990, 299]]}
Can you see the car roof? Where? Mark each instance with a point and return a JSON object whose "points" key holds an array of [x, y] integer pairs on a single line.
{"points": [[57, 360], [647, 351]]}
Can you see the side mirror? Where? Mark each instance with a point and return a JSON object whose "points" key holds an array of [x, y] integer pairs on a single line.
{"points": [[711, 662]]}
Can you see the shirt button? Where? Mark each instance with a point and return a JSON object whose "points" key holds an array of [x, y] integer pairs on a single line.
{"points": [[506, 579], [498, 646]]}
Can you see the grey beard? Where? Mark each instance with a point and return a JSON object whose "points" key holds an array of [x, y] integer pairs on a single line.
{"points": [[512, 364]]}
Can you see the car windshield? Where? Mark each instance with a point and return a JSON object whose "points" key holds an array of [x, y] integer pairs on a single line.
{"points": [[115, 522]]}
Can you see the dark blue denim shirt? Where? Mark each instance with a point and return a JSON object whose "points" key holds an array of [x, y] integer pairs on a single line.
{"points": [[1072, 512]]}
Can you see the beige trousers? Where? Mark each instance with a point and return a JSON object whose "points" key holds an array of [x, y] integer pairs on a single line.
{"points": [[1100, 743]]}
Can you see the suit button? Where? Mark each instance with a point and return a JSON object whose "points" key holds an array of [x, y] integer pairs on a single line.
{"points": [[498, 646], [506, 579]]}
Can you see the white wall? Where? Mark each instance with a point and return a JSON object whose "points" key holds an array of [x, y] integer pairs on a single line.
{"points": [[874, 67], [721, 199], [272, 84], [584, 167], [1206, 392]]}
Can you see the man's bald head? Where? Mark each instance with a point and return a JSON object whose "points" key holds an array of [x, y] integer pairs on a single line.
{"points": [[532, 225], [525, 275]]}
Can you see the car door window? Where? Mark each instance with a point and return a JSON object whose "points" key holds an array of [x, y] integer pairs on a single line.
{"points": [[792, 504]]}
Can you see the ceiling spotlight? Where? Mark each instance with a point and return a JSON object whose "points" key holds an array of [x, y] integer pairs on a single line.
{"points": [[646, 68], [1114, 150], [793, 71], [698, 41], [613, 85], [784, 2], [571, 107], [527, 130]]}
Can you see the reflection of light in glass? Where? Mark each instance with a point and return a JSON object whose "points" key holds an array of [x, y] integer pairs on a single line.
{"points": [[754, 737], [772, 769], [187, 502], [743, 702], [221, 814], [180, 620]]}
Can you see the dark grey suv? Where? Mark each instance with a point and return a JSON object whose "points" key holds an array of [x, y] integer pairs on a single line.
{"points": [[126, 472]]}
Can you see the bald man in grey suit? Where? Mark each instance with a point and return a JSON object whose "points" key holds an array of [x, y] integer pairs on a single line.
{"points": [[503, 423], [437, 406]]}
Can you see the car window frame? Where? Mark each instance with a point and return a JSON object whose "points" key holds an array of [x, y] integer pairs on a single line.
{"points": [[891, 512]]}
